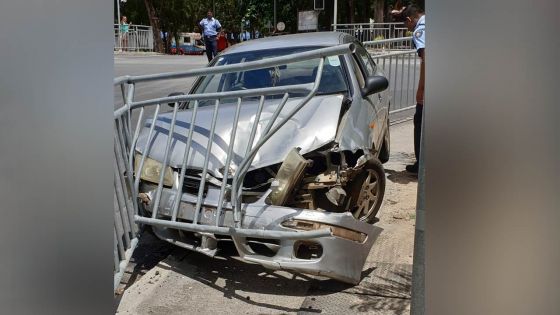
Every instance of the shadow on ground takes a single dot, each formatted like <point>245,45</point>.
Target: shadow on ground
<point>238,279</point>
<point>401,177</point>
<point>384,287</point>
<point>386,290</point>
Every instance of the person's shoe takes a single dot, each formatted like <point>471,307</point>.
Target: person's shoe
<point>413,168</point>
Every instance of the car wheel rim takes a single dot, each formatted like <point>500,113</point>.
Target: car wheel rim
<point>367,200</point>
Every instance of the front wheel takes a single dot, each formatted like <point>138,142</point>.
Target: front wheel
<point>368,189</point>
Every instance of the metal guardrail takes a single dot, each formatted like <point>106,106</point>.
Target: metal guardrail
<point>129,211</point>
<point>372,31</point>
<point>138,38</point>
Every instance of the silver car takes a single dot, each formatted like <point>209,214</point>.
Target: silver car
<point>321,169</point>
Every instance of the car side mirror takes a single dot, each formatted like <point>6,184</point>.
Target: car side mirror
<point>375,84</point>
<point>174,94</point>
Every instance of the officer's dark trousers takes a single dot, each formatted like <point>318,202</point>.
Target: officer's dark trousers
<point>211,47</point>
<point>417,130</point>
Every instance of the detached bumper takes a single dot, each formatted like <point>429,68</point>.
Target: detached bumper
<point>328,246</point>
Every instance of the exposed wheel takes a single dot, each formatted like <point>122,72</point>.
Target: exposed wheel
<point>368,189</point>
<point>385,147</point>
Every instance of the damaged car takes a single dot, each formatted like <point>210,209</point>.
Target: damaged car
<point>322,169</point>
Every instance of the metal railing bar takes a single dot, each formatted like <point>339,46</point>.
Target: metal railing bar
<point>276,113</point>
<point>235,231</point>
<point>408,79</point>
<point>395,79</point>
<point>245,66</point>
<point>130,98</point>
<point>145,151</point>
<point>206,159</point>
<point>389,40</point>
<point>254,127</point>
<point>300,88</point>
<point>228,160</point>
<point>120,245</point>
<point>119,220</point>
<point>165,158</point>
<point>116,254</point>
<point>184,165</point>
<point>133,145</point>
<point>124,262</point>
<point>401,109</point>
<point>121,167</point>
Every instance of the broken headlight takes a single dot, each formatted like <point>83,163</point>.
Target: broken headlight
<point>151,171</point>
<point>290,173</point>
<point>335,230</point>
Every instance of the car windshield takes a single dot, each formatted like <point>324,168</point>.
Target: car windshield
<point>332,80</point>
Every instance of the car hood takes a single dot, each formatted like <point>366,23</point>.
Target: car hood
<point>312,127</point>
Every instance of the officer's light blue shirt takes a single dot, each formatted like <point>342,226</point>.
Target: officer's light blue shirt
<point>210,27</point>
<point>419,34</point>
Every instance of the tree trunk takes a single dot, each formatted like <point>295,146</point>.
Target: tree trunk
<point>351,11</point>
<point>154,23</point>
<point>378,11</point>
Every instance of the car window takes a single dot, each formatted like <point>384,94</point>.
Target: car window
<point>333,79</point>
<point>367,62</point>
<point>358,72</point>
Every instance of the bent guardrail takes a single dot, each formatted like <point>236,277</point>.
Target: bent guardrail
<point>129,120</point>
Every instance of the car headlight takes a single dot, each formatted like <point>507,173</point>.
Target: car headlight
<point>151,171</point>
<point>290,173</point>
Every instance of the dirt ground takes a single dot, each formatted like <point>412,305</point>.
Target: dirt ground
<point>164,279</point>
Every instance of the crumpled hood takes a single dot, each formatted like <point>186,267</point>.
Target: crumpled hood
<point>313,126</point>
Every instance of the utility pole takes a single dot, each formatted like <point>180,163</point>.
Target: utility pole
<point>418,306</point>
<point>334,14</point>
<point>119,23</point>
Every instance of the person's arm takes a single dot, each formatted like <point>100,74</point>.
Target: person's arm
<point>218,26</point>
<point>201,27</point>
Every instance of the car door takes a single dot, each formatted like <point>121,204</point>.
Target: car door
<point>378,119</point>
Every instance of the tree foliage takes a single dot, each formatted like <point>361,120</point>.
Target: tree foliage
<point>174,16</point>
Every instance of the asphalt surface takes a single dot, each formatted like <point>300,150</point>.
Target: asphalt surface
<point>138,65</point>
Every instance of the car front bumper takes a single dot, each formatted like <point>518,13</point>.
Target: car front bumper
<point>339,256</point>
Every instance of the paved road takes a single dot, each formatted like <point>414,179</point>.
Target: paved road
<point>137,65</point>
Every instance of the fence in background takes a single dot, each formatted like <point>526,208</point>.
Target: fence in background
<point>401,65</point>
<point>372,31</point>
<point>138,38</point>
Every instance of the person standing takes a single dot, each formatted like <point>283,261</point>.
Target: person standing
<point>209,28</point>
<point>222,41</point>
<point>124,29</point>
<point>415,21</point>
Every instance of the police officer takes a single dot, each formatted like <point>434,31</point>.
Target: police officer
<point>415,21</point>
<point>209,28</point>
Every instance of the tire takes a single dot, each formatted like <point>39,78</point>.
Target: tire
<point>385,151</point>
<point>368,189</point>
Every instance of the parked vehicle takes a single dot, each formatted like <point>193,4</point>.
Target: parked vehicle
<point>189,44</point>
<point>321,169</point>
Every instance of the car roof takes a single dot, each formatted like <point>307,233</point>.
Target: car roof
<point>293,40</point>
